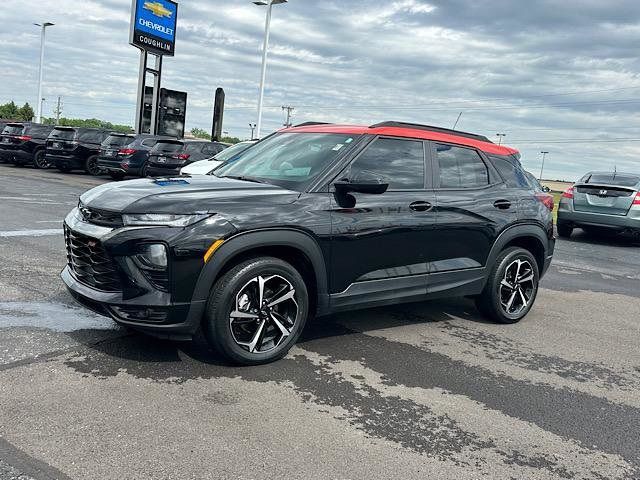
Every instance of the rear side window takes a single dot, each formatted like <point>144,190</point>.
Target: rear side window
<point>513,175</point>
<point>460,167</point>
<point>621,180</point>
<point>39,131</point>
<point>149,142</point>
<point>398,162</point>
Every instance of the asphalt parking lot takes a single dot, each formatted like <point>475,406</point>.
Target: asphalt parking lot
<point>425,390</point>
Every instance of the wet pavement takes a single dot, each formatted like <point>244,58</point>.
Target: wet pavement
<point>427,390</point>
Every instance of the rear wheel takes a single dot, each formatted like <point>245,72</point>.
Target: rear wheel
<point>143,170</point>
<point>512,287</point>
<point>39,160</point>
<point>564,230</point>
<point>91,166</point>
<point>116,175</point>
<point>256,311</point>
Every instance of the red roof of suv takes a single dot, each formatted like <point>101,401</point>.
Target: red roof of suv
<point>408,132</point>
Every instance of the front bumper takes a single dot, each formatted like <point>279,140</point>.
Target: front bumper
<point>152,310</point>
<point>629,222</point>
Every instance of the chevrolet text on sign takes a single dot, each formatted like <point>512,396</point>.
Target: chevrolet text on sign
<point>153,25</point>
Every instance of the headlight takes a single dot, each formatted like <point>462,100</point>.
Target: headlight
<point>162,219</point>
<point>152,256</point>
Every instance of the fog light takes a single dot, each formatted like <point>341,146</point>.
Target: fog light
<point>152,256</point>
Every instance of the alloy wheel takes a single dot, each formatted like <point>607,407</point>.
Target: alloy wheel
<point>40,160</point>
<point>264,314</point>
<point>517,288</point>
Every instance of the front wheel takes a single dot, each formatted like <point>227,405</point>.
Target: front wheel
<point>512,287</point>
<point>256,311</point>
<point>40,160</point>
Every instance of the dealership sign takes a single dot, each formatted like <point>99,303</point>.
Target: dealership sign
<point>153,25</point>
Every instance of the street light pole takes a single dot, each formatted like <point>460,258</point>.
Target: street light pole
<point>265,48</point>
<point>252,126</point>
<point>544,154</point>
<point>43,27</point>
<point>500,137</point>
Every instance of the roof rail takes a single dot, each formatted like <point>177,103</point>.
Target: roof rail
<point>430,128</point>
<point>308,124</point>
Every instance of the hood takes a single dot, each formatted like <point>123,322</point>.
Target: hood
<point>183,195</point>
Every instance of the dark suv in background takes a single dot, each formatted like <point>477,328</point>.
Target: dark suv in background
<point>309,221</point>
<point>25,143</point>
<point>72,148</point>
<point>126,154</point>
<point>169,156</point>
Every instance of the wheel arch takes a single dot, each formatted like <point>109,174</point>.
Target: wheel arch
<point>532,238</point>
<point>294,246</point>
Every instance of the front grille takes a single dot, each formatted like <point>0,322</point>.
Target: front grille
<point>103,218</point>
<point>90,263</point>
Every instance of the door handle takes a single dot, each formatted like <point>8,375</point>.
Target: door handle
<point>502,204</point>
<point>420,206</point>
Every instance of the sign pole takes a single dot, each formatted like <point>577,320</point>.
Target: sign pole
<point>142,75</point>
<point>157,73</point>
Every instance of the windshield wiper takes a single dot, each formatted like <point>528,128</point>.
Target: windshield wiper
<point>246,179</point>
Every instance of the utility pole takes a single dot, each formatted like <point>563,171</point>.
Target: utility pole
<point>500,137</point>
<point>252,126</point>
<point>544,154</point>
<point>289,109</point>
<point>58,110</point>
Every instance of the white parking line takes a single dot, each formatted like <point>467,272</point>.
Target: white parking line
<point>31,233</point>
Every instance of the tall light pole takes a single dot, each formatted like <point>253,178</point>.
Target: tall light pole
<point>500,137</point>
<point>43,27</point>
<point>544,154</point>
<point>252,126</point>
<point>265,48</point>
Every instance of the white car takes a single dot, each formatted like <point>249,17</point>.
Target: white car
<point>203,167</point>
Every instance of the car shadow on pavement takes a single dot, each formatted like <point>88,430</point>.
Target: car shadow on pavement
<point>610,239</point>
<point>140,352</point>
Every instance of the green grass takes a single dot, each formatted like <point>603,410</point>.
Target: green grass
<point>556,201</point>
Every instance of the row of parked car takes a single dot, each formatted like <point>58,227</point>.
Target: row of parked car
<point>118,155</point>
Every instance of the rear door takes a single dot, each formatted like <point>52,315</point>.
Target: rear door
<point>162,154</point>
<point>473,206</point>
<point>61,140</point>
<point>610,193</point>
<point>12,136</point>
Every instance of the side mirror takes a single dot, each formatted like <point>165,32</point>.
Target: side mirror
<point>364,182</point>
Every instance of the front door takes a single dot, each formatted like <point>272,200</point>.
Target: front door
<point>380,241</point>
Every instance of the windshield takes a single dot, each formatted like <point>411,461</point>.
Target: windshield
<point>63,133</point>
<point>288,159</point>
<point>118,140</point>
<point>232,151</point>
<point>614,179</point>
<point>167,146</point>
<point>13,130</point>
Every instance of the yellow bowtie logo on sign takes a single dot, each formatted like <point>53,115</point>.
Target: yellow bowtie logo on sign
<point>157,9</point>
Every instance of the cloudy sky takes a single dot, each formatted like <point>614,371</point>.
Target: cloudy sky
<point>555,75</point>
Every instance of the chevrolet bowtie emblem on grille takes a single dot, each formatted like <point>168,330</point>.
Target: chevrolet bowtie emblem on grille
<point>158,9</point>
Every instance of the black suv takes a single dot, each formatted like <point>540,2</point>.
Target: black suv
<point>126,154</point>
<point>309,221</point>
<point>24,143</point>
<point>169,156</point>
<point>73,148</point>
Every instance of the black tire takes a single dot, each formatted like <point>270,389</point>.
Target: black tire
<point>491,301</point>
<point>143,170</point>
<point>240,285</point>
<point>91,166</point>
<point>564,230</point>
<point>117,176</point>
<point>40,161</point>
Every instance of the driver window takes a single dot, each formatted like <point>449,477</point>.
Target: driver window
<point>398,162</point>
